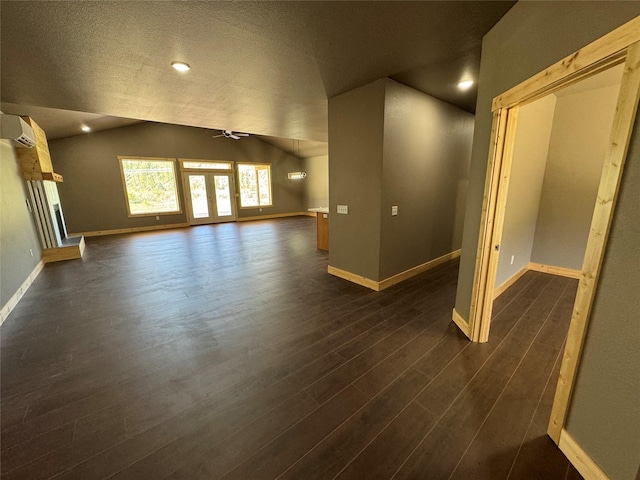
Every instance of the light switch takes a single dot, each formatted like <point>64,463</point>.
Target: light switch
<point>343,209</point>
<point>394,210</point>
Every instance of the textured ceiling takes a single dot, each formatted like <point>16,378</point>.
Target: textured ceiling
<point>59,123</point>
<point>299,148</point>
<point>260,67</point>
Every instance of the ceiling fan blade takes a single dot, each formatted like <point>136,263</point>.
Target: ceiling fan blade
<point>235,137</point>
<point>242,134</point>
<point>217,136</point>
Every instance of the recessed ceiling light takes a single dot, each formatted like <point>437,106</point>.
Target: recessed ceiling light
<point>181,66</point>
<point>85,128</point>
<point>465,84</point>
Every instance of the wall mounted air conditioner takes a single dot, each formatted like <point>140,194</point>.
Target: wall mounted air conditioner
<point>12,127</point>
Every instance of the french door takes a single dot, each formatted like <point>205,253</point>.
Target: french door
<point>210,197</point>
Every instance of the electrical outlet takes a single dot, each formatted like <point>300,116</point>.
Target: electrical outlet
<point>394,210</point>
<point>513,257</point>
<point>157,217</point>
<point>343,209</point>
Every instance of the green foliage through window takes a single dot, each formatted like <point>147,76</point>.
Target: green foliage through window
<point>150,186</point>
<point>255,185</point>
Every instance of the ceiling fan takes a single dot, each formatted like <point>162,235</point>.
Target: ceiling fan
<point>230,134</point>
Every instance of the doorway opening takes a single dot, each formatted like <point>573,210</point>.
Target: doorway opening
<point>558,155</point>
<point>620,47</point>
<point>209,190</point>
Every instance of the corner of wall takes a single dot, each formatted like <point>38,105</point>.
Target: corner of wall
<point>20,249</point>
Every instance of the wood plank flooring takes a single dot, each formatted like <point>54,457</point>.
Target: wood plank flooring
<point>227,352</point>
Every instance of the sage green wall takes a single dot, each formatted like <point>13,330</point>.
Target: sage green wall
<point>316,185</point>
<point>92,192</point>
<point>356,121</point>
<point>525,185</point>
<point>426,154</point>
<point>17,230</point>
<point>529,38</point>
<point>579,139</point>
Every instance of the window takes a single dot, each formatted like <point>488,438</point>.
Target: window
<point>150,185</point>
<point>205,165</point>
<point>255,184</point>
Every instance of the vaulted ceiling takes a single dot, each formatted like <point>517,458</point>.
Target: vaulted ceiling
<point>263,67</point>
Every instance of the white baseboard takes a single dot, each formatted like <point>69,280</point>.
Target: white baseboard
<point>6,309</point>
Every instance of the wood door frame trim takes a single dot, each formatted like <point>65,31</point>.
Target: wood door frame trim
<point>616,155</point>
<point>622,45</point>
<point>579,458</point>
<point>601,54</point>
<point>498,129</point>
<point>502,181</point>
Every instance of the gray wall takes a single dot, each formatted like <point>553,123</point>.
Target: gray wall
<point>316,185</point>
<point>356,121</point>
<point>529,38</point>
<point>17,230</point>
<point>92,192</point>
<point>426,154</point>
<point>605,409</point>
<point>392,145</point>
<point>579,139</point>
<point>525,185</point>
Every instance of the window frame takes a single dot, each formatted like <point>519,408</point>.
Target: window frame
<point>252,164</point>
<point>122,158</point>
<point>183,168</point>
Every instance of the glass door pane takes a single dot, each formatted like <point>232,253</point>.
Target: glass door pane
<point>264,187</point>
<point>199,199</point>
<point>223,195</point>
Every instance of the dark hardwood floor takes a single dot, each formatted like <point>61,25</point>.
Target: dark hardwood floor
<point>228,352</point>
